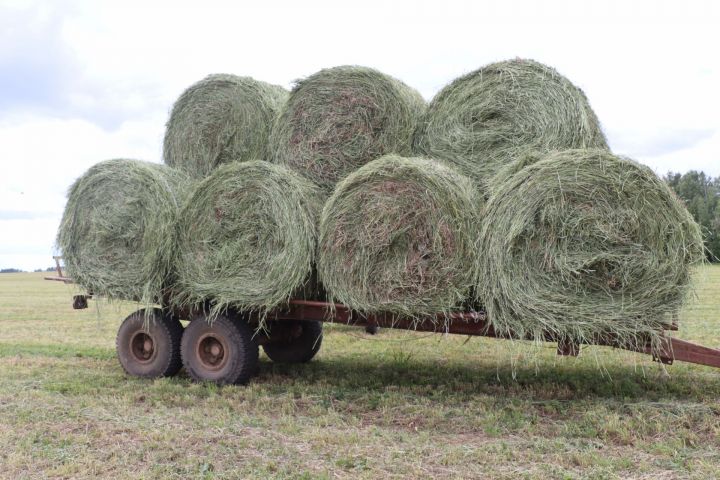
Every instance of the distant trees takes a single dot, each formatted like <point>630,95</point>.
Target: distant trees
<point>701,194</point>
<point>17,270</point>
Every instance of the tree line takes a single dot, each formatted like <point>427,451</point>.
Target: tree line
<point>701,194</point>
<point>17,270</point>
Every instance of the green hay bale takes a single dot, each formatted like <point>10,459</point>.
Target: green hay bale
<point>584,244</point>
<point>219,119</point>
<point>486,119</point>
<point>338,119</point>
<point>508,170</point>
<point>118,233</point>
<point>247,238</point>
<point>399,235</point>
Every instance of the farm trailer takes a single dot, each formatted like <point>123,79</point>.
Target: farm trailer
<point>153,342</point>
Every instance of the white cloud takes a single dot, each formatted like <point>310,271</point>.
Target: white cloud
<point>43,156</point>
<point>40,159</point>
<point>705,156</point>
<point>28,244</point>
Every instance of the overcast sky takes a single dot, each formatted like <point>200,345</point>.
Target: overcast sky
<point>84,81</point>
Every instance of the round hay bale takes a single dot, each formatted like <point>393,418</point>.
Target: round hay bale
<point>220,119</point>
<point>485,119</point>
<point>338,119</point>
<point>399,235</point>
<point>118,233</point>
<point>247,237</point>
<point>585,245</point>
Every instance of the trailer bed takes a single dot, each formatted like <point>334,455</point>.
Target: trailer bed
<point>296,332</point>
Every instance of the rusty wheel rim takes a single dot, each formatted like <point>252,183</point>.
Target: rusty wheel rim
<point>142,347</point>
<point>212,352</point>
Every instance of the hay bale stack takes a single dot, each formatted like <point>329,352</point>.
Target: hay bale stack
<point>338,119</point>
<point>247,237</point>
<point>219,119</point>
<point>118,231</point>
<point>583,244</point>
<point>399,235</point>
<point>485,119</point>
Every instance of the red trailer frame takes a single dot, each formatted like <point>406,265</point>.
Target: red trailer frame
<point>477,324</point>
<point>467,323</point>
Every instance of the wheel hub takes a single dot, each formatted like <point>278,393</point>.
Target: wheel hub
<point>142,347</point>
<point>211,352</point>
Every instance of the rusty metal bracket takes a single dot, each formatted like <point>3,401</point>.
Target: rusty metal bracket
<point>80,301</point>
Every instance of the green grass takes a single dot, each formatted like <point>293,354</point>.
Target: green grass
<point>397,405</point>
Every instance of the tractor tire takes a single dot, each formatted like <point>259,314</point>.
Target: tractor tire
<point>148,344</point>
<point>294,342</point>
<point>222,352</point>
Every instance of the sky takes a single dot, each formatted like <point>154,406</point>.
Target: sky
<point>85,81</point>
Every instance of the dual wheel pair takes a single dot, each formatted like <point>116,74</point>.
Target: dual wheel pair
<point>151,343</point>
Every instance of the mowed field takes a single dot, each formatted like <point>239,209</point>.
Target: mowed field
<point>396,405</point>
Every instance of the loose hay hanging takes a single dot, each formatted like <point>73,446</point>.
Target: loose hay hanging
<point>399,235</point>
<point>118,232</point>
<point>340,118</point>
<point>485,119</point>
<point>585,245</point>
<point>247,238</point>
<point>219,119</point>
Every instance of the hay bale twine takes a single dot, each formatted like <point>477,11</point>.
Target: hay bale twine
<point>219,119</point>
<point>485,119</point>
<point>247,237</point>
<point>583,244</point>
<point>399,235</point>
<point>338,119</point>
<point>118,231</point>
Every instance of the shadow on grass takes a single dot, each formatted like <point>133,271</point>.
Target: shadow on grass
<point>378,374</point>
<point>569,380</point>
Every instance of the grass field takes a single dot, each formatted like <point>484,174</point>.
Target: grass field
<point>397,405</point>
